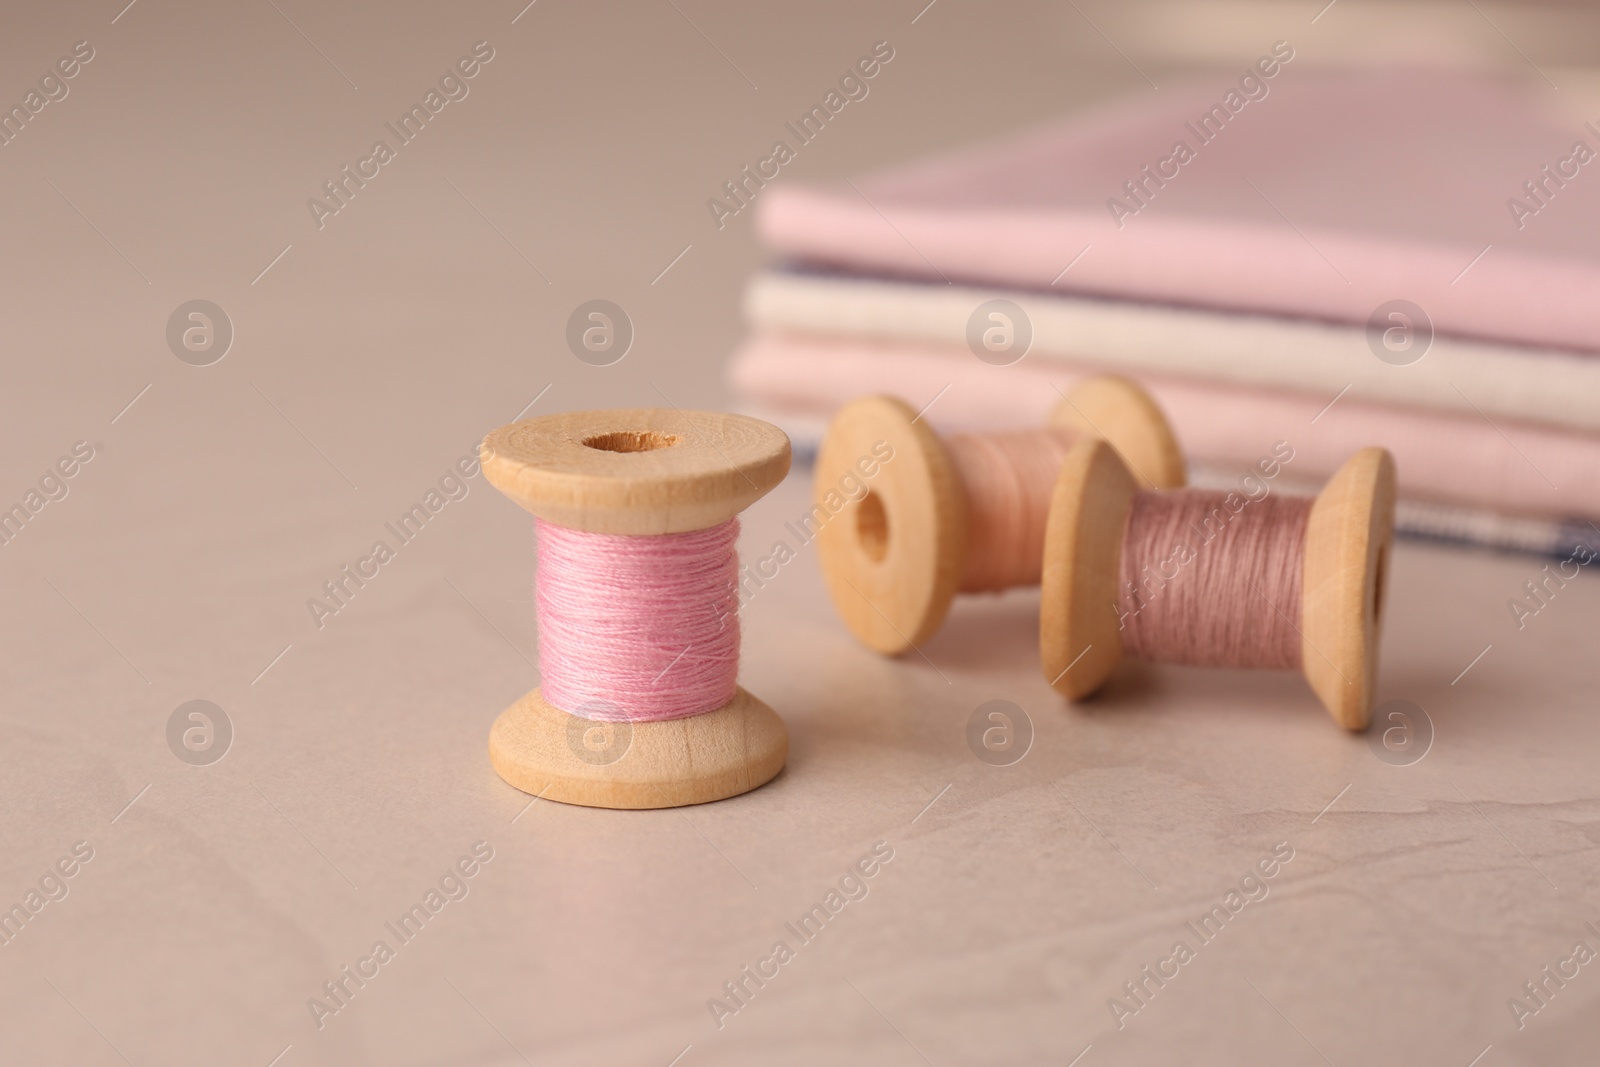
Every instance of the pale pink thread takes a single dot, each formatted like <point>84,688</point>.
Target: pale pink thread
<point>638,629</point>
<point>1008,478</point>
<point>1212,585</point>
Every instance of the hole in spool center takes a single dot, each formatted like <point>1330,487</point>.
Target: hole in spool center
<point>631,441</point>
<point>872,527</point>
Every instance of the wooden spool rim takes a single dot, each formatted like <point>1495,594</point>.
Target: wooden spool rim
<point>1348,541</point>
<point>636,471</point>
<point>539,748</point>
<point>1120,411</point>
<point>1348,538</point>
<point>892,557</point>
<point>1080,640</point>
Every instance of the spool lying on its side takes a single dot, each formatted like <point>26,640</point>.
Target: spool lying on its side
<point>1344,568</point>
<point>894,556</point>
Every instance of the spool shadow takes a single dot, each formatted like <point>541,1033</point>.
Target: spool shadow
<point>989,632</point>
<point>1139,690</point>
<point>845,697</point>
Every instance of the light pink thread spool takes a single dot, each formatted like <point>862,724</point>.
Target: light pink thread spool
<point>906,519</point>
<point>638,607</point>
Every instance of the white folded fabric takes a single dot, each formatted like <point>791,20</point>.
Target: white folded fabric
<point>1490,380</point>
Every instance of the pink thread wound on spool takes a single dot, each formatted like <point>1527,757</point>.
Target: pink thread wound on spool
<point>1008,479</point>
<point>1205,585</point>
<point>638,628</point>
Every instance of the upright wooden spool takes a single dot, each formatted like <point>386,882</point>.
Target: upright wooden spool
<point>637,472</point>
<point>1346,562</point>
<point>893,559</point>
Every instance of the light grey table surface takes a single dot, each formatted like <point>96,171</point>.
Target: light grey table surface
<point>1018,902</point>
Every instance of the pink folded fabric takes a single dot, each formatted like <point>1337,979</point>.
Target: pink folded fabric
<point>1527,469</point>
<point>1326,197</point>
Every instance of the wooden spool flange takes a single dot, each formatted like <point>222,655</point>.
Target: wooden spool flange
<point>893,557</point>
<point>1348,537</point>
<point>637,472</point>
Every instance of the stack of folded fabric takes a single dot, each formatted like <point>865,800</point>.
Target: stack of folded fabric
<point>1406,259</point>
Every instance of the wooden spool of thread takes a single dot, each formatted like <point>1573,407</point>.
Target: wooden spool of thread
<point>962,514</point>
<point>1217,579</point>
<point>619,496</point>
